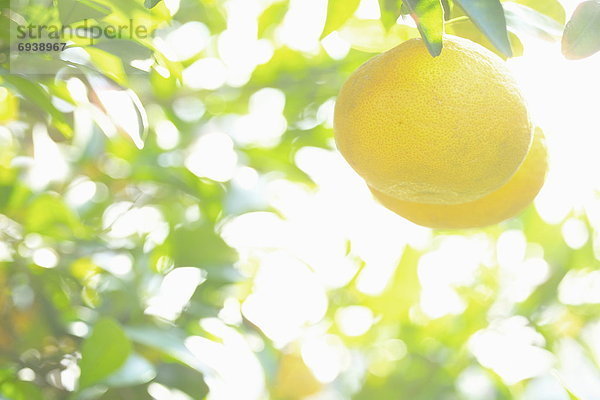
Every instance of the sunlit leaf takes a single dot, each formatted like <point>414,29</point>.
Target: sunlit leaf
<point>126,51</point>
<point>136,371</point>
<point>515,45</point>
<point>550,8</point>
<point>200,246</point>
<point>464,27</point>
<point>49,215</point>
<point>9,106</point>
<point>151,3</point>
<point>581,37</point>
<point>371,36</point>
<point>122,106</point>
<point>522,19</point>
<point>488,15</point>
<point>103,352</point>
<point>35,94</point>
<point>273,15</point>
<point>390,11</point>
<point>183,378</point>
<point>167,341</point>
<point>163,83</point>
<point>108,64</point>
<point>71,11</point>
<point>446,7</point>
<point>338,12</point>
<point>571,395</point>
<point>429,17</point>
<point>19,390</point>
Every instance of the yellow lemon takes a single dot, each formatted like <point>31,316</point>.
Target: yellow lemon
<point>444,130</point>
<point>502,204</point>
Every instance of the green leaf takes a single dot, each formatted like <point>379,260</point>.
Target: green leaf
<point>103,352</point>
<point>525,20</point>
<point>571,395</point>
<point>183,378</point>
<point>122,106</point>
<point>429,16</point>
<point>163,85</point>
<point>338,12</point>
<point>515,44</point>
<point>71,11</point>
<point>581,37</point>
<point>273,15</point>
<point>167,341</point>
<point>370,35</point>
<point>34,93</point>
<point>390,11</point>
<point>464,27</point>
<point>488,15</point>
<point>446,7</point>
<point>126,51</point>
<point>550,8</point>
<point>151,3</point>
<point>136,371</point>
<point>200,246</point>
<point>108,64</point>
<point>18,390</point>
<point>48,215</point>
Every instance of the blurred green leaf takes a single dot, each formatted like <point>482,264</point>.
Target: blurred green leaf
<point>169,341</point>
<point>272,16</point>
<point>113,99</point>
<point>34,93</point>
<point>48,215</point>
<point>488,15</point>
<point>525,20</point>
<point>200,246</point>
<point>151,3</point>
<point>164,83</point>
<point>390,11</point>
<point>19,390</point>
<point>581,37</point>
<point>371,35</point>
<point>550,8</point>
<point>108,64</point>
<point>71,11</point>
<point>338,12</point>
<point>571,395</point>
<point>103,352</point>
<point>429,17</point>
<point>447,8</point>
<point>126,51</point>
<point>136,371</point>
<point>465,28</point>
<point>515,44</point>
<point>183,378</point>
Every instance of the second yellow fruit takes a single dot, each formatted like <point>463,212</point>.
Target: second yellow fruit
<point>499,205</point>
<point>443,130</point>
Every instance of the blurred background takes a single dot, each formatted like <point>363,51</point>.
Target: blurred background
<point>175,222</point>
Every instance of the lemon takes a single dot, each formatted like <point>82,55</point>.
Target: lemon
<point>502,204</point>
<point>443,130</point>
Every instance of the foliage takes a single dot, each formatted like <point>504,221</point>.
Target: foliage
<point>120,180</point>
<point>581,33</point>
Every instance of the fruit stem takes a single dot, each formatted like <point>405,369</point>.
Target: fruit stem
<point>457,19</point>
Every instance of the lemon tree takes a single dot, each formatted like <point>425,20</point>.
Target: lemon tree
<point>175,215</point>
